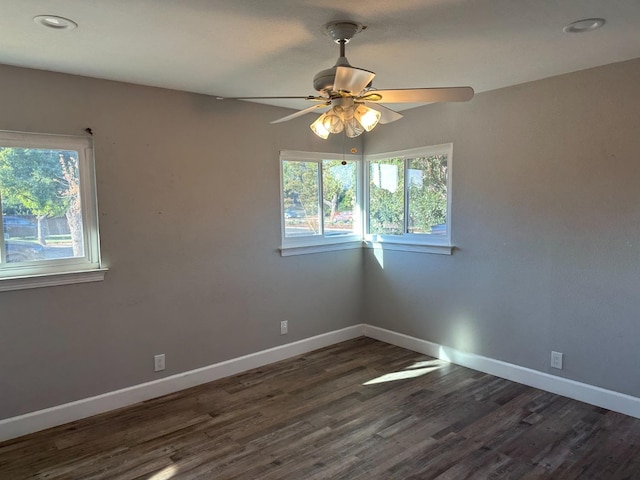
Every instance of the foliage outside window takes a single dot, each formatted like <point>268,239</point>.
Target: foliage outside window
<point>319,199</point>
<point>409,196</point>
<point>407,207</point>
<point>49,218</point>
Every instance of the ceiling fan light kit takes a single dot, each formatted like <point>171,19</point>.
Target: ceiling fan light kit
<point>351,98</point>
<point>345,115</point>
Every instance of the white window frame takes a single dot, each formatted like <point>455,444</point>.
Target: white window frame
<point>321,243</point>
<point>410,242</point>
<point>44,273</point>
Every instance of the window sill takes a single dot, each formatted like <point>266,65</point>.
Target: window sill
<point>328,247</point>
<point>397,246</point>
<point>51,279</point>
<point>410,247</point>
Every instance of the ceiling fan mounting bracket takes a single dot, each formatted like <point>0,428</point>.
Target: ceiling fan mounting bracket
<point>342,32</point>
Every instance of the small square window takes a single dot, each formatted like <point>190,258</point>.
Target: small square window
<point>49,216</point>
<point>409,199</point>
<point>320,201</point>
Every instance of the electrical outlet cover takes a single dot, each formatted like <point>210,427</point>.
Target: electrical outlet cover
<point>158,362</point>
<point>556,360</point>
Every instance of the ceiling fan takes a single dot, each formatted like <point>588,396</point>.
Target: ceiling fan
<point>354,105</point>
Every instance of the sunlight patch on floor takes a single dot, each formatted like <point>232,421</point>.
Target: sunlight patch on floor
<point>165,473</point>
<point>427,363</point>
<point>402,375</point>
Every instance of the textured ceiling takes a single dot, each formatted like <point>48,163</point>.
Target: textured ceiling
<point>274,47</point>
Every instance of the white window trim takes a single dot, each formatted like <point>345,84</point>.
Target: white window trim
<point>320,243</point>
<point>71,270</point>
<point>409,247</point>
<point>52,279</point>
<point>419,243</point>
<point>304,250</point>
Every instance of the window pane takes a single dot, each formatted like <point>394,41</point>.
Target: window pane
<point>386,197</point>
<point>301,197</point>
<point>339,196</point>
<point>427,209</point>
<point>41,208</point>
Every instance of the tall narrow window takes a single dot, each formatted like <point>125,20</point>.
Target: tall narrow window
<point>339,197</point>
<point>427,194</point>
<point>301,198</point>
<point>47,195</point>
<point>386,196</point>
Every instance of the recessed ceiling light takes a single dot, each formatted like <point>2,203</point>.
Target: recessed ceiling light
<point>586,25</point>
<point>55,22</point>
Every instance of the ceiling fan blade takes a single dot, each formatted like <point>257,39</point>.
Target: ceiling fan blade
<point>352,80</point>
<point>309,97</point>
<point>420,95</point>
<point>300,113</point>
<point>386,114</point>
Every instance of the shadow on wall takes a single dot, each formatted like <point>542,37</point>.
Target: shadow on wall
<point>391,311</point>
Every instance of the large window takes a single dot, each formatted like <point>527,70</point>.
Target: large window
<point>320,201</point>
<point>408,199</point>
<point>49,217</point>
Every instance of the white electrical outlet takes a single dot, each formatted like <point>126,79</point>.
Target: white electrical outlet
<point>158,362</point>
<point>556,360</point>
<point>284,327</point>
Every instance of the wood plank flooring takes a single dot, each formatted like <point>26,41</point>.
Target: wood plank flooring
<point>361,409</point>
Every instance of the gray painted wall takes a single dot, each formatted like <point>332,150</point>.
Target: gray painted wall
<point>546,221</point>
<point>188,193</point>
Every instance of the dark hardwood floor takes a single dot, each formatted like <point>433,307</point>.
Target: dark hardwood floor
<point>361,409</point>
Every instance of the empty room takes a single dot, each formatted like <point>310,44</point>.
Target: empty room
<point>320,240</point>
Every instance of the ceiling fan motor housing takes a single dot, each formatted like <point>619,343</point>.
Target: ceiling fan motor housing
<point>324,80</point>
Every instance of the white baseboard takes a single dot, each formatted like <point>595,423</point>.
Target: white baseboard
<point>69,412</point>
<point>609,399</point>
